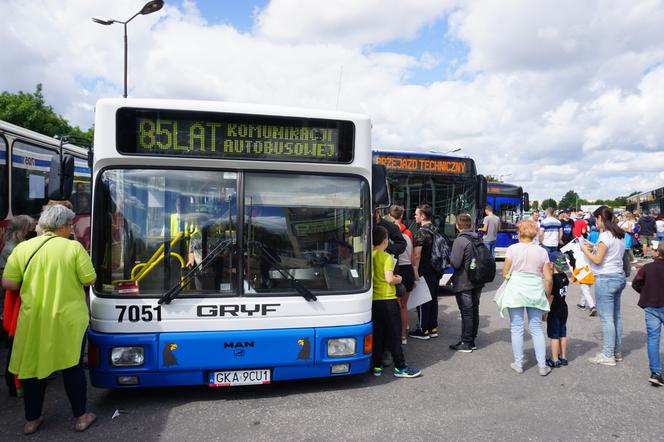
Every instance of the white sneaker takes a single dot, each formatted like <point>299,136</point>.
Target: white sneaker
<point>544,371</point>
<point>516,367</point>
<point>601,359</point>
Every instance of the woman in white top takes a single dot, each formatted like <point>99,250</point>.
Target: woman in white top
<point>606,263</point>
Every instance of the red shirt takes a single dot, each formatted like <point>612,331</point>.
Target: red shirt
<point>580,227</point>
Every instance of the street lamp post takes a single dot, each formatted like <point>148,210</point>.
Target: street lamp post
<point>148,8</point>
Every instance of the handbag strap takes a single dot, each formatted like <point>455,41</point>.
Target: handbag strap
<point>36,250</point>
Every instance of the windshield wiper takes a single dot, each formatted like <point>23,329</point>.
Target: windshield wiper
<point>297,285</point>
<point>174,291</point>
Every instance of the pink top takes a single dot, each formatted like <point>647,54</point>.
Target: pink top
<point>527,257</point>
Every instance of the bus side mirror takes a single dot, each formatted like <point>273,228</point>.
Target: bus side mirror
<point>61,177</point>
<point>482,187</point>
<point>380,191</point>
<point>526,202</point>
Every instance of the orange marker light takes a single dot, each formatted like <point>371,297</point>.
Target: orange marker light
<point>368,344</point>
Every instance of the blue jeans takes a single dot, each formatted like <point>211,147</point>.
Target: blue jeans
<point>608,289</point>
<point>536,329</point>
<point>491,245</point>
<point>660,236</point>
<point>654,323</point>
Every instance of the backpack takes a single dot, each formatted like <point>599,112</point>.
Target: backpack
<point>440,251</point>
<point>482,267</point>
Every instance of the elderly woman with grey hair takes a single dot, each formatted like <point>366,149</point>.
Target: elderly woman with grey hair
<point>50,271</point>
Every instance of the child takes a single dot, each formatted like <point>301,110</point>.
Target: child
<point>385,310</point>
<point>582,274</point>
<point>556,323</point>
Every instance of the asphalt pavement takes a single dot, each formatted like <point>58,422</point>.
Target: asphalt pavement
<point>459,397</point>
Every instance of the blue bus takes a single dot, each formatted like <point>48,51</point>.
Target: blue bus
<point>449,184</point>
<point>232,244</point>
<point>509,202</point>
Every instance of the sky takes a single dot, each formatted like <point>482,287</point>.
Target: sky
<point>552,95</point>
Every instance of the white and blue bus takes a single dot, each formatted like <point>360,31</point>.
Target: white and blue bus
<point>232,244</point>
<point>508,202</point>
<point>449,184</point>
<point>26,158</point>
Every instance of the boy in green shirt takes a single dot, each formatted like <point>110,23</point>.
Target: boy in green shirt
<point>385,310</point>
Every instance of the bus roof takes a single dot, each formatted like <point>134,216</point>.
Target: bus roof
<point>228,106</point>
<point>647,195</point>
<point>415,152</point>
<point>28,134</point>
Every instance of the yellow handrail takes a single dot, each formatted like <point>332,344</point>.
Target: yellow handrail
<point>148,269</point>
<point>152,266</point>
<point>140,270</point>
<point>158,253</point>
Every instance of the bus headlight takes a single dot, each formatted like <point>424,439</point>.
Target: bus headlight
<point>341,347</point>
<point>127,356</point>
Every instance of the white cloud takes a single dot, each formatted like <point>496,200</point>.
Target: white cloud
<point>560,94</point>
<point>354,22</point>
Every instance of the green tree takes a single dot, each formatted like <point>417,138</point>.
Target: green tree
<point>492,179</point>
<point>549,202</point>
<point>29,110</point>
<point>569,200</point>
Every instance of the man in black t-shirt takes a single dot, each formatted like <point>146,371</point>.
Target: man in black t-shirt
<point>568,229</point>
<point>648,229</point>
<point>427,313</point>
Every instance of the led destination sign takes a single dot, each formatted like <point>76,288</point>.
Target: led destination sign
<point>234,136</point>
<point>506,190</point>
<point>417,163</point>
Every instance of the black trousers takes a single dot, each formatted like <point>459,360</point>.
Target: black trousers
<point>469,306</point>
<point>386,317</point>
<point>428,312</point>
<point>75,385</point>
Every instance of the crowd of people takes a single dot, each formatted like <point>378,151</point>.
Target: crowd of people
<point>553,250</point>
<point>44,271</point>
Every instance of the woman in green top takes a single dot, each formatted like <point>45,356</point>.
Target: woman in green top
<point>50,272</point>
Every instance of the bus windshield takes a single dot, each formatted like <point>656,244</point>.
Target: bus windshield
<point>448,198</point>
<point>313,227</point>
<point>508,209</point>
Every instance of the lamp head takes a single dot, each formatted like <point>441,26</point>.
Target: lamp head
<point>103,21</point>
<point>152,6</point>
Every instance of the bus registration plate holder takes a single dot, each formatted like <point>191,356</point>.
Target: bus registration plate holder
<point>237,378</point>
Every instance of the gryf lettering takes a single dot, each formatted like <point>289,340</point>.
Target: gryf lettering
<point>235,310</point>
